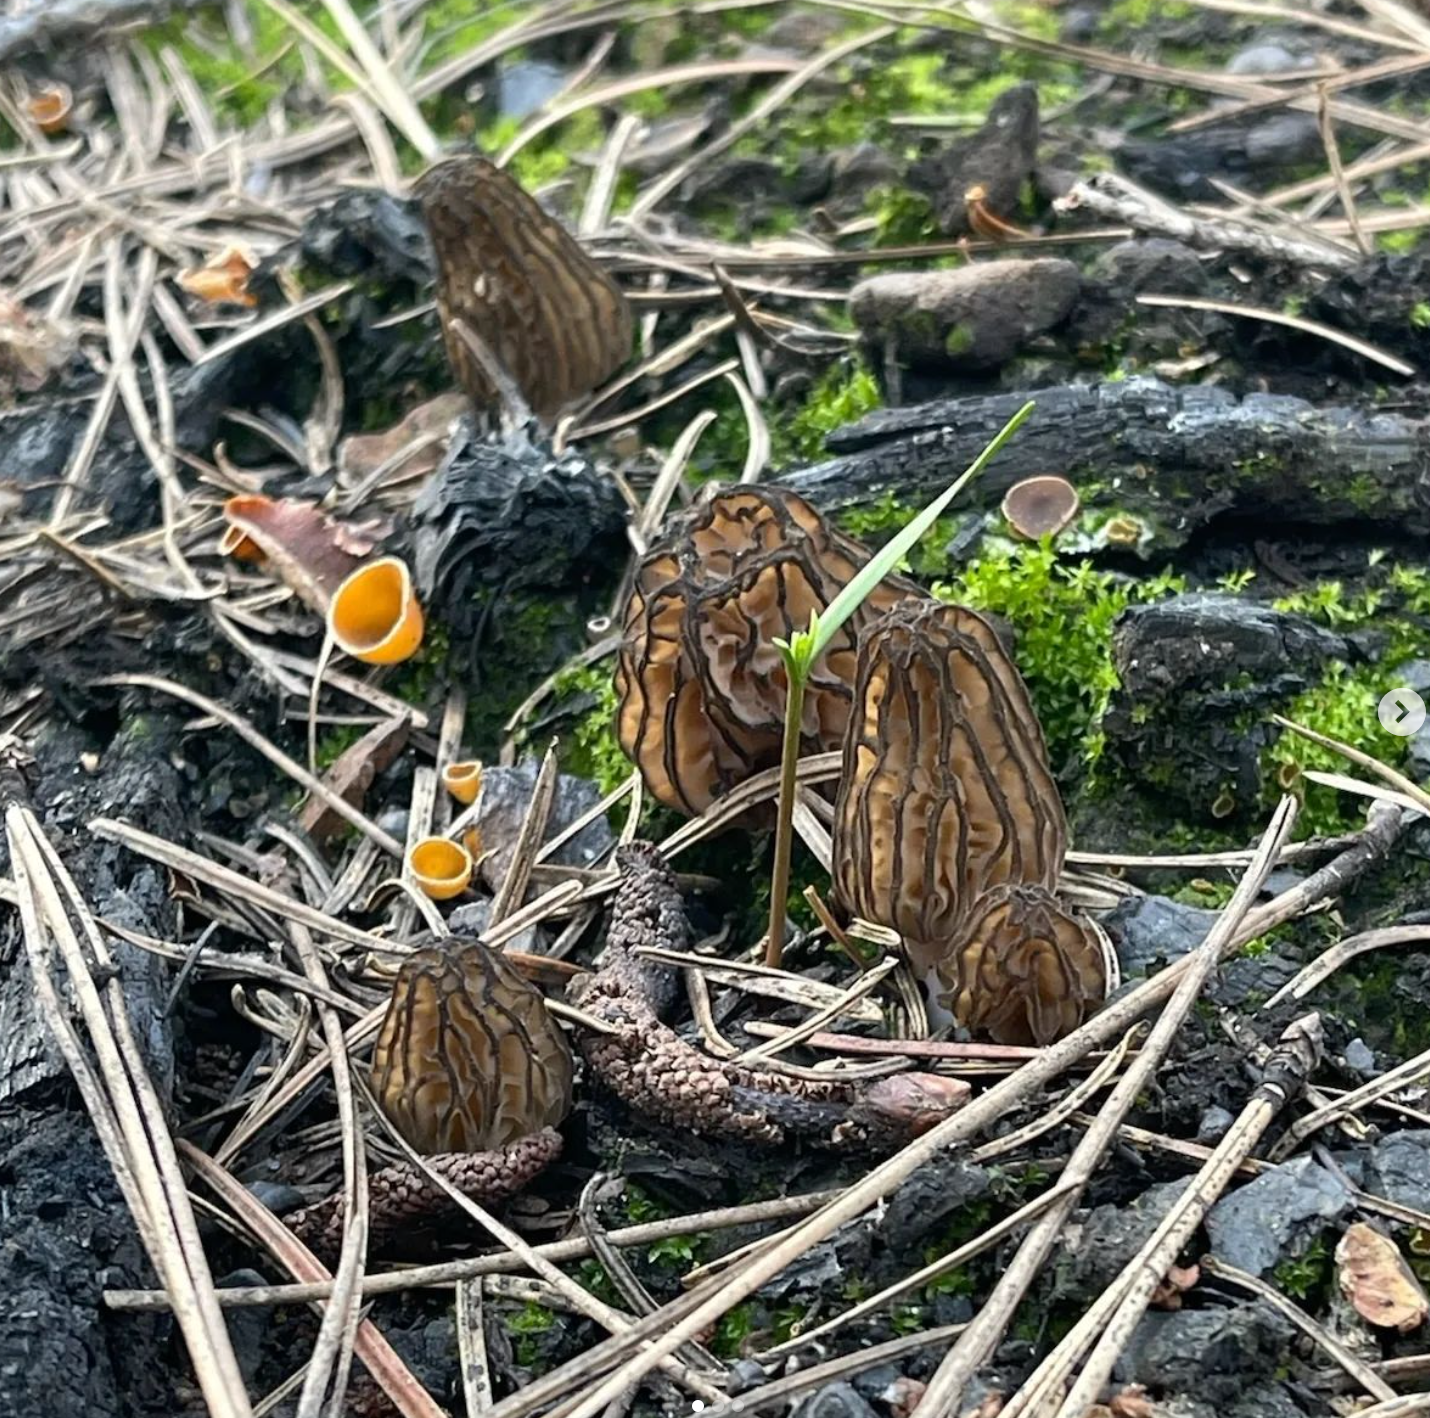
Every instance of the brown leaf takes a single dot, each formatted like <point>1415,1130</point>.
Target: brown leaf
<point>1376,1280</point>
<point>312,552</point>
<point>352,773</point>
<point>222,279</point>
<point>1131,1402</point>
<point>362,454</point>
<point>1177,1281</point>
<point>32,346</point>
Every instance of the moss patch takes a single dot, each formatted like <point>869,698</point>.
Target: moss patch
<point>1063,614</point>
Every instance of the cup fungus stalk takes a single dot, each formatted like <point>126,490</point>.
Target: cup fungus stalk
<point>803,649</point>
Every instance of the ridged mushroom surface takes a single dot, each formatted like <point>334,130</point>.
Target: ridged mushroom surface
<point>945,790</point>
<point>554,321</point>
<point>700,682</point>
<point>1026,971</point>
<point>469,1058</point>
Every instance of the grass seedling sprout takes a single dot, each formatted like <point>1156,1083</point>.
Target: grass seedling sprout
<point>806,646</point>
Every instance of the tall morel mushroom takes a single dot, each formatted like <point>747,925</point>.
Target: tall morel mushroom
<point>474,1072</point>
<point>947,805</point>
<point>700,682</point>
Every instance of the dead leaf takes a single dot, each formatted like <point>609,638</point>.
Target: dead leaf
<point>1376,1280</point>
<point>32,346</point>
<point>1131,1402</point>
<point>222,279</point>
<point>904,1396</point>
<point>423,431</point>
<point>312,552</point>
<point>352,773</point>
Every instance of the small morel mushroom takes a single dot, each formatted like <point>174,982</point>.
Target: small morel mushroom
<point>1027,971</point>
<point>475,1073</point>
<point>700,682</point>
<point>522,285</point>
<point>948,827</point>
<point>946,789</point>
<point>469,1059</point>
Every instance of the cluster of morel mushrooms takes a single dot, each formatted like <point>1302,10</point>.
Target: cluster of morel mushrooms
<point>947,826</point>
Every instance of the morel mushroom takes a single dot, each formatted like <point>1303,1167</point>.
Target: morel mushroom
<point>700,682</point>
<point>469,1059</point>
<point>475,1073</point>
<point>946,796</point>
<point>1026,971</point>
<point>946,789</point>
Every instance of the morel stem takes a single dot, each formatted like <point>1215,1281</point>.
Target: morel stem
<point>784,822</point>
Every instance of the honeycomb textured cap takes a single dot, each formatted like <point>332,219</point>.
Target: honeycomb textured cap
<point>1027,971</point>
<point>945,789</point>
<point>469,1058</point>
<point>700,681</point>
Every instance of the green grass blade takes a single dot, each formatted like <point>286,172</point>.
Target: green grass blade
<point>810,644</point>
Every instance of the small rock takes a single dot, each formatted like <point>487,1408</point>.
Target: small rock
<point>1358,1058</point>
<point>970,319</point>
<point>525,84</point>
<point>1213,1354</point>
<point>506,795</point>
<point>248,1325</point>
<point>1213,1125</point>
<point>1209,638</point>
<point>473,917</point>
<point>1276,1215</point>
<point>1109,1237</point>
<point>997,160</point>
<point>839,1400</point>
<point>279,1198</point>
<point>1398,1168</point>
<point>1155,264</point>
<point>1153,931</point>
<point>1263,56</point>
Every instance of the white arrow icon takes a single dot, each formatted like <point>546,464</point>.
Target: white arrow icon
<point>1402,712</point>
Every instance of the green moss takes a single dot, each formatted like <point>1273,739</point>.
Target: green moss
<point>528,1325</point>
<point>1124,15</point>
<point>591,749</point>
<point>1398,243</point>
<point>734,1328</point>
<point>846,393</point>
<point>1063,614</point>
<point>335,742</point>
<point>1303,1275</point>
<point>416,679</point>
<point>1342,706</point>
<point>904,217</point>
<point>958,341</point>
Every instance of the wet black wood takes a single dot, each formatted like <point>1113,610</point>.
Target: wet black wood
<point>1181,457</point>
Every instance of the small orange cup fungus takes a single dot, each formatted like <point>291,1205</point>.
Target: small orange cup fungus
<point>50,106</point>
<point>375,616</point>
<point>463,780</point>
<point>1040,506</point>
<point>235,542</point>
<point>441,867</point>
